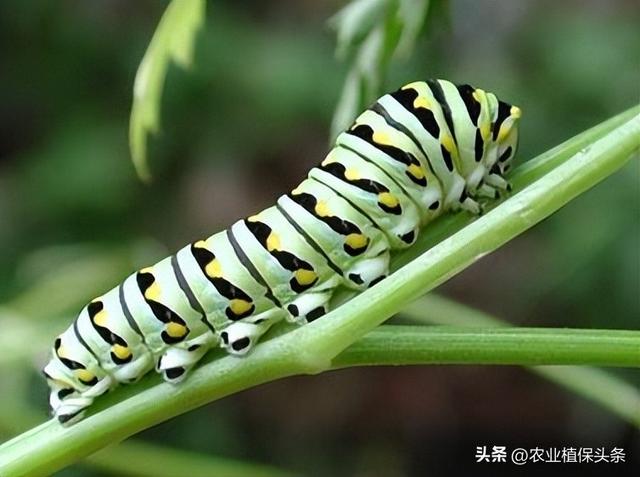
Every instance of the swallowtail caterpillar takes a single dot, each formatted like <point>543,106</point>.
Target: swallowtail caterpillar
<point>423,150</point>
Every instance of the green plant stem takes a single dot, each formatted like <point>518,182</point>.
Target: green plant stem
<point>311,348</point>
<point>159,460</point>
<point>596,385</point>
<point>401,345</point>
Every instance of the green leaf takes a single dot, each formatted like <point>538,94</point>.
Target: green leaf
<point>363,82</point>
<point>370,33</point>
<point>412,15</point>
<point>174,39</point>
<point>348,104</point>
<point>355,21</point>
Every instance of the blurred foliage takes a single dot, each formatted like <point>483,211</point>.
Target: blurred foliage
<point>173,39</point>
<point>243,125</point>
<point>369,34</point>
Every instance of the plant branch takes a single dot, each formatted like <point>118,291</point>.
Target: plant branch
<point>596,385</point>
<point>401,345</point>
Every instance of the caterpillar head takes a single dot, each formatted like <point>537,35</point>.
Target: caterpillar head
<point>74,377</point>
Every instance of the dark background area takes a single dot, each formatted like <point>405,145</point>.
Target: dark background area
<point>243,127</point>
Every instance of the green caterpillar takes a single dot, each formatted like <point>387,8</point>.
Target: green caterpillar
<point>428,148</point>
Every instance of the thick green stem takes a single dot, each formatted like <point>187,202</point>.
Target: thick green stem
<point>312,348</point>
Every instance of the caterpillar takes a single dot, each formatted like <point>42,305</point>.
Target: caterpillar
<point>425,149</point>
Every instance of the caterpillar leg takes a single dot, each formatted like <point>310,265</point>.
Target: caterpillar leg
<point>175,363</point>
<point>308,307</point>
<point>497,181</point>
<point>471,205</point>
<point>70,408</point>
<point>488,191</point>
<point>368,272</point>
<point>238,338</point>
<point>135,370</point>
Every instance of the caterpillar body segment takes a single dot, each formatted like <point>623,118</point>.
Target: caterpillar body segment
<point>423,150</point>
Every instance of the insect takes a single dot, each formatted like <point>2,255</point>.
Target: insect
<point>425,149</point>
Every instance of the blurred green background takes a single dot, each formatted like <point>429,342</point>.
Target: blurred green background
<point>245,125</point>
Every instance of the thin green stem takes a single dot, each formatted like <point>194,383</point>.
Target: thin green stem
<point>612,393</point>
<point>400,345</point>
<point>311,348</point>
<point>596,385</point>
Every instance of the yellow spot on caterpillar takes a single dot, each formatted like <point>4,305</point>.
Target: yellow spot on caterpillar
<point>200,244</point>
<point>62,352</point>
<point>485,130</point>
<point>84,375</point>
<point>254,218</point>
<point>239,307</point>
<point>273,242</point>
<point>305,277</point>
<point>100,318</point>
<point>146,270</point>
<point>380,137</point>
<point>504,132</point>
<point>388,199</point>
<point>176,330</point>
<point>321,209</point>
<point>153,292</point>
<point>448,143</point>
<point>121,352</point>
<point>516,112</point>
<point>296,191</point>
<point>356,241</point>
<point>352,174</point>
<point>479,95</point>
<point>416,171</point>
<point>213,269</point>
<point>421,102</point>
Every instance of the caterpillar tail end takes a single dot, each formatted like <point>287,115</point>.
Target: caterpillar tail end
<point>69,397</point>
